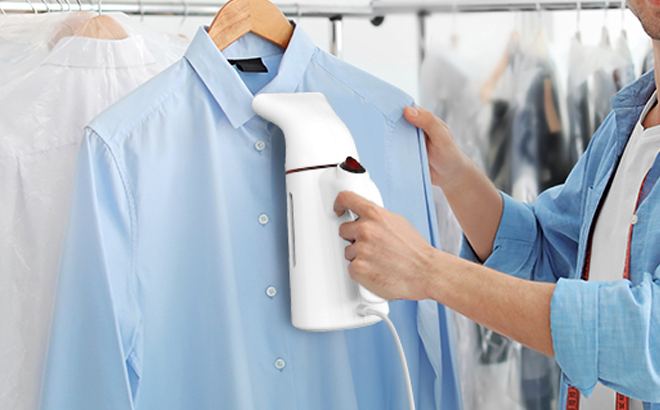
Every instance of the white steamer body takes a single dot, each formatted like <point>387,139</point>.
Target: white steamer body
<point>323,295</point>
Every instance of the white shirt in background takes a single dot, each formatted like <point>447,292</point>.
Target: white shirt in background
<point>41,126</point>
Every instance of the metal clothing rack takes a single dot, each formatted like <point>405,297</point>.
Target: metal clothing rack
<point>375,11</point>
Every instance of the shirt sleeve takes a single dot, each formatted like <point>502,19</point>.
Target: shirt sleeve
<point>538,241</point>
<point>618,342</point>
<point>93,360</point>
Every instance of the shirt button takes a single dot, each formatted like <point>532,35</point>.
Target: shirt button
<point>263,219</point>
<point>271,291</point>
<point>634,219</point>
<point>280,364</point>
<point>260,145</point>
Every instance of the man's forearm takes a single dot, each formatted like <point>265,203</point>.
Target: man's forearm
<point>477,205</point>
<point>513,307</point>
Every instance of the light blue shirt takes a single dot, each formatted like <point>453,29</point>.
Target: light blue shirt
<point>174,285</point>
<point>601,331</point>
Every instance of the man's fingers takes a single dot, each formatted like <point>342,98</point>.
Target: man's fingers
<point>351,201</point>
<point>348,231</point>
<point>350,252</point>
<point>424,120</point>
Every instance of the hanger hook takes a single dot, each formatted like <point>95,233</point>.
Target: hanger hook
<point>2,10</point>
<point>185,14</point>
<point>68,5</point>
<point>141,9</point>
<point>79,5</point>
<point>61,5</point>
<point>623,15</point>
<point>454,13</point>
<point>31,6</point>
<point>100,6</point>
<point>47,6</point>
<point>605,11</point>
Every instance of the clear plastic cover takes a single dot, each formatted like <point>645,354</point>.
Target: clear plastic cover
<point>595,75</point>
<point>52,83</point>
<point>448,90</point>
<point>496,372</point>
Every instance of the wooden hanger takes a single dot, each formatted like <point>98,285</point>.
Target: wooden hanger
<point>239,17</point>
<point>102,27</point>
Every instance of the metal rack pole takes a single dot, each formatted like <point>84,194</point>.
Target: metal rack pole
<point>336,36</point>
<point>169,8</point>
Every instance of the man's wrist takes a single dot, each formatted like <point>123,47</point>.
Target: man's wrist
<point>460,176</point>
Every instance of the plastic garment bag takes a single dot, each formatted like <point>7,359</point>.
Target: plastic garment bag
<point>577,99</point>
<point>26,40</point>
<point>615,71</point>
<point>647,64</point>
<point>447,90</point>
<point>596,73</point>
<point>526,155</point>
<point>526,152</point>
<point>43,110</point>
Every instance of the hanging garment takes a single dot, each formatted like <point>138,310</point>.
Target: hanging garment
<point>25,41</point>
<point>579,118</point>
<point>537,143</point>
<point>526,151</point>
<point>447,90</point>
<point>526,155</point>
<point>174,278</point>
<point>498,159</point>
<point>647,64</point>
<point>42,119</point>
<point>615,70</point>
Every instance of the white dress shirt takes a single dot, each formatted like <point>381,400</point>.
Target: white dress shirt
<point>41,127</point>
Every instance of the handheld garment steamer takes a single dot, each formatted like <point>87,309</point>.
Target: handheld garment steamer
<point>321,161</point>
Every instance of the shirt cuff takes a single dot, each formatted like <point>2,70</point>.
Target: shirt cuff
<point>514,241</point>
<point>574,325</point>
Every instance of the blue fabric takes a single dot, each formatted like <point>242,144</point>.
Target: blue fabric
<point>601,331</point>
<point>162,300</point>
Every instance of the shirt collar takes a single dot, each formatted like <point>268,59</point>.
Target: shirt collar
<point>98,53</point>
<point>636,94</point>
<point>628,105</point>
<point>225,84</point>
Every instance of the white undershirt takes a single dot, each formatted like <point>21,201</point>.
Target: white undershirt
<point>610,239</point>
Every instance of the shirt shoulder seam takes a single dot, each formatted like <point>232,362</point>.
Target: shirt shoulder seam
<point>122,132</point>
<point>389,118</point>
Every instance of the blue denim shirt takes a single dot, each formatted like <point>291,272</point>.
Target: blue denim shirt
<point>601,331</point>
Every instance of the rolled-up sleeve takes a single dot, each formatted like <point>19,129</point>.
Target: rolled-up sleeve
<point>617,344</point>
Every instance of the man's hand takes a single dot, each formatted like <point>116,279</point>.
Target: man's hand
<point>446,160</point>
<point>387,254</point>
<point>390,258</point>
<point>475,201</point>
